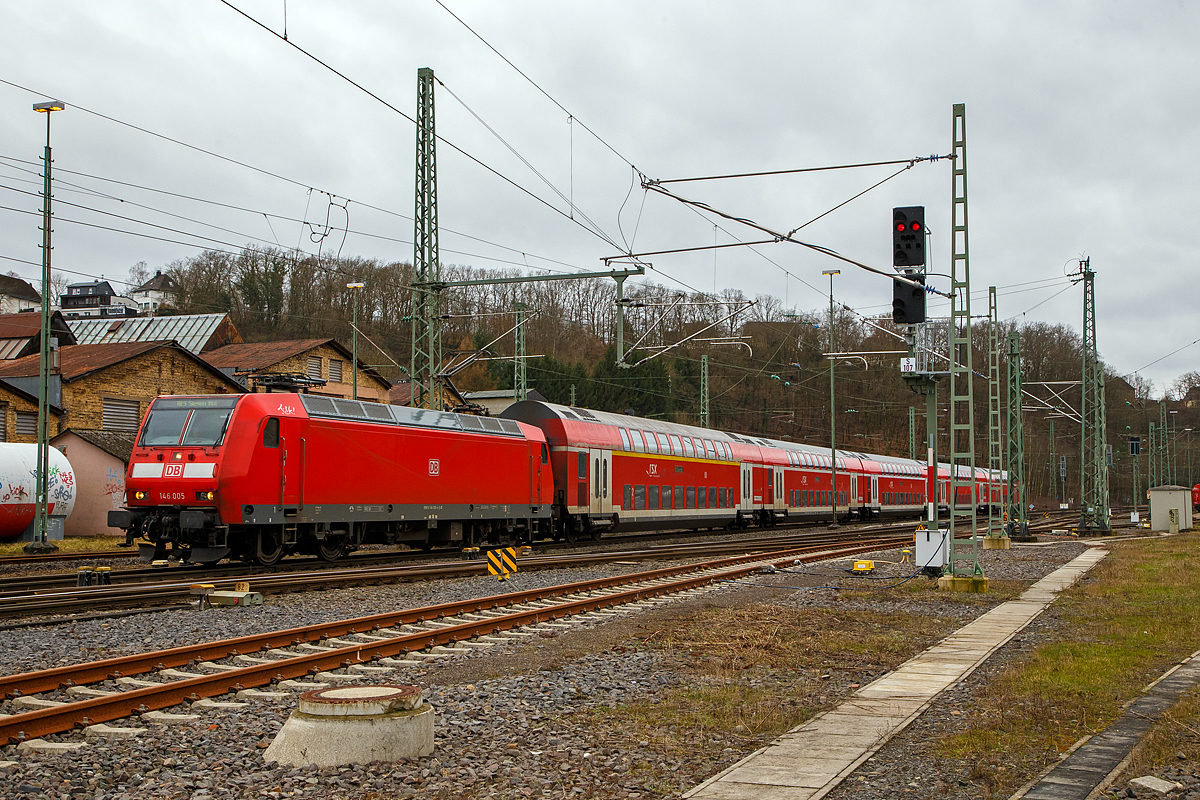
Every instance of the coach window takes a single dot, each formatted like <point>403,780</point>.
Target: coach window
<point>604,473</point>
<point>639,444</point>
<point>676,446</point>
<point>624,439</point>
<point>710,449</point>
<point>582,465</point>
<point>628,504</point>
<point>679,497</point>
<point>688,450</point>
<point>666,497</point>
<point>639,497</point>
<point>664,445</point>
<point>651,443</point>
<point>596,477</point>
<point>702,497</point>
<point>691,497</point>
<point>652,497</point>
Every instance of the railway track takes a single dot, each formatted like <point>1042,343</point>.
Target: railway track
<point>365,647</point>
<point>175,589</point>
<point>25,596</point>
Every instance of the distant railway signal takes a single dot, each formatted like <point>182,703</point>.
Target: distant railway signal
<point>908,302</point>
<point>908,236</point>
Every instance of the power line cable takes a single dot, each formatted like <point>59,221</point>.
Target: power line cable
<point>440,138</point>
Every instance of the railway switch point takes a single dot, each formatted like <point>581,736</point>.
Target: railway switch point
<point>83,576</point>
<point>235,598</point>
<point>103,576</point>
<point>355,725</point>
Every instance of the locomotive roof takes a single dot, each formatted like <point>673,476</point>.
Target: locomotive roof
<point>337,408</point>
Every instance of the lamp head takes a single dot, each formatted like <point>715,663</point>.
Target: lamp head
<point>46,108</point>
<point>355,285</point>
<point>831,272</point>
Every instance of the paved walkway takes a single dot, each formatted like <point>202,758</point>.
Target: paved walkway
<point>809,761</point>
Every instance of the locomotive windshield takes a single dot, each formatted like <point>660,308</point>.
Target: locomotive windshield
<point>191,422</point>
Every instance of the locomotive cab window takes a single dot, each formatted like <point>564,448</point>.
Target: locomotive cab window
<point>194,423</point>
<point>545,454</point>
<point>271,432</point>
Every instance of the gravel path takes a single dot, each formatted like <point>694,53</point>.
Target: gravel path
<point>521,720</point>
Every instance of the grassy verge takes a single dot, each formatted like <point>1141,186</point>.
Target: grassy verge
<point>761,668</point>
<point>83,544</point>
<point>1137,614</point>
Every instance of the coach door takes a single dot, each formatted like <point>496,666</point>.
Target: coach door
<point>777,495</point>
<point>746,502</point>
<point>873,500</point>
<point>291,454</point>
<point>601,482</point>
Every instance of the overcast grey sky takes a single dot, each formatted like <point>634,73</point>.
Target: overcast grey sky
<point>1081,129</point>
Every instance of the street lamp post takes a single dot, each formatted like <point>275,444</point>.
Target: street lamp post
<point>832,418</point>
<point>40,545</point>
<point>354,326</point>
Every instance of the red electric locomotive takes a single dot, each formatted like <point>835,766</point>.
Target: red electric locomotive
<point>258,476</point>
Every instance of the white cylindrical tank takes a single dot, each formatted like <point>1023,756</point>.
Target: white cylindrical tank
<point>18,487</point>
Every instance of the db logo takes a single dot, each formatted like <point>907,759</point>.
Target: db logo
<point>435,466</point>
<point>173,471</point>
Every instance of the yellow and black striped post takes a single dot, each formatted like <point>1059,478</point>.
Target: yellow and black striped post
<point>502,561</point>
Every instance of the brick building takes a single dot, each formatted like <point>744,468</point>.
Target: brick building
<point>315,366</point>
<point>109,386</point>
<point>19,412</point>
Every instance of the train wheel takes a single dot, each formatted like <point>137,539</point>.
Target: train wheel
<point>328,550</point>
<point>269,549</point>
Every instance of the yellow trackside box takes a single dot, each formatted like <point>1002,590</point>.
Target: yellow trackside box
<point>864,566</point>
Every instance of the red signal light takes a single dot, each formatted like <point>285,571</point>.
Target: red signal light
<point>900,226</point>
<point>916,226</point>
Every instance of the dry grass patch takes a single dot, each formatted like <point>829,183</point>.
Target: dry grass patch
<point>762,669</point>
<point>81,544</point>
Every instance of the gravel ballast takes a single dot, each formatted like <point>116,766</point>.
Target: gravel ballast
<point>518,720</point>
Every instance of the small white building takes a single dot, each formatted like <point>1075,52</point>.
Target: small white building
<point>17,295</point>
<point>1167,499</point>
<point>158,291</point>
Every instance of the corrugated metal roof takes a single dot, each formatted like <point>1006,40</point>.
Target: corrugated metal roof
<point>191,331</point>
<point>261,355</point>
<point>10,347</point>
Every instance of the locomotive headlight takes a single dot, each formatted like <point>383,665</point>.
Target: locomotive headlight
<point>206,495</point>
<point>139,495</point>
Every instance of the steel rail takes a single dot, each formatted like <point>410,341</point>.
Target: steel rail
<point>76,598</point>
<point>104,709</point>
